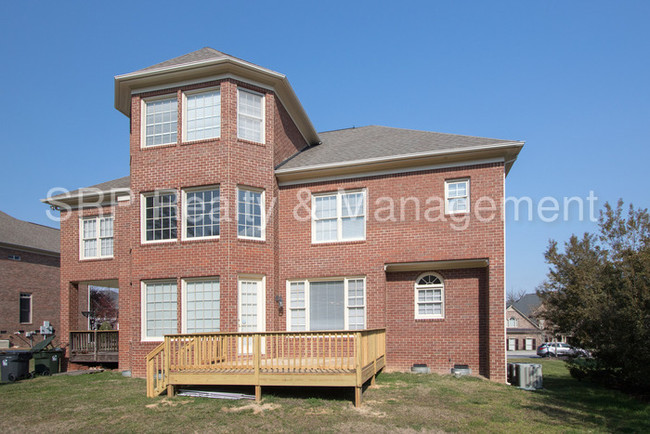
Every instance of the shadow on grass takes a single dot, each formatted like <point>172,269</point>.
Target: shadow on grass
<point>270,393</point>
<point>587,405</point>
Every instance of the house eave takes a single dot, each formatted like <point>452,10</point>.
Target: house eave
<point>126,84</point>
<point>29,249</point>
<point>87,196</point>
<point>453,264</point>
<point>505,152</point>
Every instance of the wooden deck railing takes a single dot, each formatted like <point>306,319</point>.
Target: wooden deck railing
<point>94,346</point>
<point>332,358</point>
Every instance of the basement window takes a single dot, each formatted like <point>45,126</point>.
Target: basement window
<point>14,257</point>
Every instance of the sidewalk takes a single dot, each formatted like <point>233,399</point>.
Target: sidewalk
<point>521,354</point>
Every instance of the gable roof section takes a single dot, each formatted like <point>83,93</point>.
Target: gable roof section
<point>20,233</point>
<point>378,147</point>
<point>210,64</point>
<point>528,304</point>
<point>105,190</point>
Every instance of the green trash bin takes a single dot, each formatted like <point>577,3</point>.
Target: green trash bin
<point>15,366</point>
<point>47,362</point>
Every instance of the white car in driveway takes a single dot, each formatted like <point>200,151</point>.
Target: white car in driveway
<point>560,349</point>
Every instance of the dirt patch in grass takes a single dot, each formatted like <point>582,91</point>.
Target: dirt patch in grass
<point>254,406</point>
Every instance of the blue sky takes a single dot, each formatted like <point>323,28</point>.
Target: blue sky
<point>571,78</point>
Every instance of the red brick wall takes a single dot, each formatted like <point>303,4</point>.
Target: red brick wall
<point>473,330</point>
<point>35,274</point>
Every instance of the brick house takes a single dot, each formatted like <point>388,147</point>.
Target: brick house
<point>525,329</point>
<point>238,216</point>
<point>29,279</point>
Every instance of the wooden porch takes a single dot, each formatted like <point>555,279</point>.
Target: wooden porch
<point>94,346</point>
<point>332,358</point>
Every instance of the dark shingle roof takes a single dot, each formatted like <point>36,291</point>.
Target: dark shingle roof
<point>21,233</point>
<point>528,304</point>
<point>374,141</point>
<point>203,54</point>
<point>107,186</point>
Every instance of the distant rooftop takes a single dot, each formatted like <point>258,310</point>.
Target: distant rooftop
<point>528,304</point>
<point>31,235</point>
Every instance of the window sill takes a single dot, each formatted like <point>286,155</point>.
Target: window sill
<point>334,243</point>
<point>166,145</point>
<point>252,240</point>
<point>429,319</point>
<point>101,258</point>
<point>250,142</point>
<point>158,243</point>
<point>201,141</point>
<point>200,240</point>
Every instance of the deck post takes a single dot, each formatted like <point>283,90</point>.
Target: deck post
<point>170,390</point>
<point>95,338</point>
<point>359,367</point>
<point>357,396</point>
<point>257,354</point>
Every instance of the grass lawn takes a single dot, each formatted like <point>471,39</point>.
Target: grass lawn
<point>108,402</point>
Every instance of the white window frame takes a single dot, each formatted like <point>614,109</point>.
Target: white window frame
<point>440,286</point>
<point>339,215</point>
<point>447,198</point>
<point>31,306</point>
<point>98,237</point>
<point>306,282</point>
<point>262,211</point>
<point>143,309</point>
<point>184,300</point>
<point>184,213</point>
<point>187,93</point>
<point>143,217</point>
<point>528,347</point>
<point>143,119</point>
<point>263,122</point>
<point>511,321</point>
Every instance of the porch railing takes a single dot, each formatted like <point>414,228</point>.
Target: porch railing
<point>254,357</point>
<point>94,346</point>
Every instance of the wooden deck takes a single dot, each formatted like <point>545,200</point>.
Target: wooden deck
<point>332,358</point>
<point>94,346</point>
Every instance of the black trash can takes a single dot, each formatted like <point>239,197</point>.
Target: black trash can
<point>14,365</point>
<point>47,362</point>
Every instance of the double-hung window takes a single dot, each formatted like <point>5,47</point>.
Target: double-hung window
<point>25,309</point>
<point>159,302</point>
<point>202,213</point>
<point>201,305</point>
<point>250,213</point>
<point>457,196</point>
<point>339,216</point>
<point>159,216</point>
<point>160,121</point>
<point>429,297</point>
<point>250,115</point>
<point>332,304</point>
<point>96,237</point>
<point>202,118</point>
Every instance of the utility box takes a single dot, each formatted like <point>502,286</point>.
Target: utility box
<point>528,376</point>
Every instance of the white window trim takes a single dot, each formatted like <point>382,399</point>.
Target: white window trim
<point>143,119</point>
<point>263,132</point>
<point>184,111</point>
<point>143,310</point>
<point>143,219</point>
<point>339,215</point>
<point>184,298</point>
<point>442,296</point>
<point>184,214</point>
<point>306,282</point>
<point>262,210</point>
<point>452,181</point>
<point>97,218</point>
<point>261,306</point>
<point>31,306</point>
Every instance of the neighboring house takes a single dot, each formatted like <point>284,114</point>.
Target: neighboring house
<point>524,327</point>
<point>29,279</point>
<point>214,231</point>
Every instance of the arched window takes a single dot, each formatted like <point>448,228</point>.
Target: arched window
<point>429,296</point>
<point>512,322</point>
